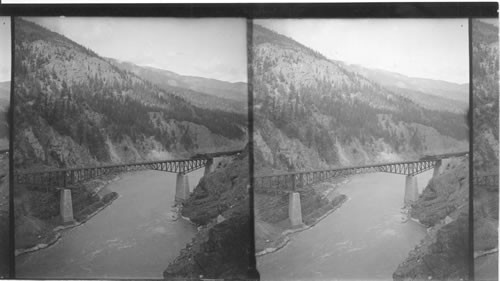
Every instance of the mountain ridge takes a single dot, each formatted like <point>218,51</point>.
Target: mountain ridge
<point>77,108</point>
<point>295,85</point>
<point>204,92</point>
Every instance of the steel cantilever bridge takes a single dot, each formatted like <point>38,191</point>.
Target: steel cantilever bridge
<point>290,182</point>
<point>65,179</point>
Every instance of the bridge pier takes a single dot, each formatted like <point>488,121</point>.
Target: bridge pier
<point>181,188</point>
<point>66,206</point>
<point>294,209</point>
<point>209,167</point>
<point>437,168</point>
<point>411,190</point>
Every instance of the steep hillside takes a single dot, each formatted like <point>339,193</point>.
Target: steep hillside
<point>202,92</point>
<point>485,141</point>
<point>443,207</point>
<point>485,95</point>
<point>313,112</point>
<point>219,205</point>
<point>431,94</point>
<point>76,108</point>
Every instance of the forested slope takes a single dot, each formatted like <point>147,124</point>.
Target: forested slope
<point>75,108</point>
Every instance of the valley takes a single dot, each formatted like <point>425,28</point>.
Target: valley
<point>76,110</point>
<point>315,116</point>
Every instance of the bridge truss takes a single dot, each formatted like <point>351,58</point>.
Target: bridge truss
<point>293,181</point>
<point>63,178</point>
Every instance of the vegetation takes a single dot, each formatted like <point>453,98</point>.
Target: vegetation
<point>349,105</point>
<point>98,101</point>
<point>485,94</point>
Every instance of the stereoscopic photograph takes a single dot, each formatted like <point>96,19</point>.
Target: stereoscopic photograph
<point>361,149</point>
<point>131,148</point>
<point>485,146</point>
<point>5,76</point>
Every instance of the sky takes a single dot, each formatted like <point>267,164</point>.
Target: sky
<point>425,48</point>
<point>5,53</point>
<point>211,48</point>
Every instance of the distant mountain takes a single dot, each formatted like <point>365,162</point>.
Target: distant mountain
<point>227,90</point>
<point>311,112</point>
<point>431,94</point>
<point>203,92</point>
<point>76,108</point>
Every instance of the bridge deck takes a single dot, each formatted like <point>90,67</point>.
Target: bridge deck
<point>292,180</point>
<point>65,177</point>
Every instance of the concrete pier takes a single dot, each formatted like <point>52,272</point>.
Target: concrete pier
<point>66,207</point>
<point>209,167</point>
<point>181,188</point>
<point>437,168</point>
<point>294,209</point>
<point>411,190</point>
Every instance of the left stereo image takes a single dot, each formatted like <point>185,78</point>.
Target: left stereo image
<point>130,148</point>
<point>5,76</point>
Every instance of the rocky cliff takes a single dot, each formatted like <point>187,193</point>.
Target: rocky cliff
<point>219,205</point>
<point>443,207</point>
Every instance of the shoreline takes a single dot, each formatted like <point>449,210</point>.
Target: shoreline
<point>288,232</point>
<point>59,229</point>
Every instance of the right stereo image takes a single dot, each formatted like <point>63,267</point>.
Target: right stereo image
<point>485,146</point>
<point>361,147</point>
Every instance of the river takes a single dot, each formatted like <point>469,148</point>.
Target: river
<point>134,237</point>
<point>363,239</point>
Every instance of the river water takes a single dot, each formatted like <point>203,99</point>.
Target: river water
<point>363,239</point>
<point>134,237</point>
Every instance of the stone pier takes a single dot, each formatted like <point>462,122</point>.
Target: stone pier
<point>209,166</point>
<point>411,190</point>
<point>181,188</point>
<point>66,207</point>
<point>294,209</point>
<point>437,168</point>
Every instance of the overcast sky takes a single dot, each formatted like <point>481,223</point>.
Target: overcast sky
<point>211,48</point>
<point>426,48</point>
<point>5,53</point>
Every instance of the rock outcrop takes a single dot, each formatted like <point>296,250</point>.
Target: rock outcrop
<point>221,248</point>
<point>444,208</point>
